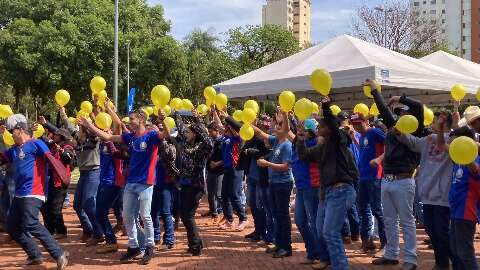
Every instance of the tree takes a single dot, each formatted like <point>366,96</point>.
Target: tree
<point>256,46</point>
<point>405,30</point>
<point>47,45</point>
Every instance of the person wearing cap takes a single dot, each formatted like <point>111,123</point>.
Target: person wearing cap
<point>464,201</point>
<point>307,181</point>
<point>398,185</point>
<point>338,174</point>
<point>31,159</point>
<point>62,148</point>
<point>371,147</point>
<point>138,191</point>
<point>215,174</point>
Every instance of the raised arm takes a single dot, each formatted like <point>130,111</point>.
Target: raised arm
<point>100,133</point>
<point>416,109</point>
<point>117,122</point>
<point>66,123</point>
<point>385,112</point>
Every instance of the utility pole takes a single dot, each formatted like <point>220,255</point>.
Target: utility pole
<point>115,58</point>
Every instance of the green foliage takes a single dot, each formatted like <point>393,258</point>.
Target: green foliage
<point>424,52</point>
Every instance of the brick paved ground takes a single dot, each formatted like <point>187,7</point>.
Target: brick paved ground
<point>224,250</point>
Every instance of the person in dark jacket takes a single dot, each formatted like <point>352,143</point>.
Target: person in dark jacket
<point>338,173</point>
<point>215,174</point>
<point>398,186</point>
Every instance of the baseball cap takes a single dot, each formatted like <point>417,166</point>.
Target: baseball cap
<point>64,133</point>
<point>343,115</point>
<point>17,121</point>
<point>310,124</point>
<point>357,118</point>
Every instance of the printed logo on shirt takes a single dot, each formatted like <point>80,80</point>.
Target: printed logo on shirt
<point>458,175</point>
<point>143,146</point>
<point>21,154</point>
<point>105,149</point>
<point>277,153</point>
<point>365,142</point>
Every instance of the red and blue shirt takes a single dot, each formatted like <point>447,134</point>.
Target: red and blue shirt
<point>111,168</point>
<point>306,174</point>
<point>464,195</point>
<point>143,157</point>
<point>371,145</point>
<point>30,166</point>
<point>230,151</point>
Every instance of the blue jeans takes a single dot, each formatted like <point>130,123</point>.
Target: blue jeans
<point>7,192</point>
<point>85,202</point>
<point>264,200</point>
<point>370,203</point>
<point>397,200</point>
<point>137,200</point>
<point>258,212</point>
<point>330,219</point>
<point>306,206</point>
<point>351,226</point>
<point>231,194</point>
<point>462,234</point>
<point>214,190</point>
<point>418,208</point>
<point>22,223</point>
<point>162,208</point>
<point>280,193</point>
<point>106,197</point>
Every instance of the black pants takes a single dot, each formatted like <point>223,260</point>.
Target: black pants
<point>190,200</point>
<point>52,210</point>
<point>23,222</point>
<point>214,189</point>
<point>462,233</point>
<point>437,226</point>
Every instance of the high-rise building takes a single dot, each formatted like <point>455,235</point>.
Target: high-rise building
<point>459,20</point>
<point>293,15</point>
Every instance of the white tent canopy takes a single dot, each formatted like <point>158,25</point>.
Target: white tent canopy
<point>350,61</point>
<point>453,63</point>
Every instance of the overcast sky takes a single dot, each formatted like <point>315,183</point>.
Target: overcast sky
<point>329,17</point>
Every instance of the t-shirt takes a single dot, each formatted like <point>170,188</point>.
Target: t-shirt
<point>370,146</point>
<point>230,151</point>
<point>30,168</point>
<point>253,171</point>
<point>306,174</point>
<point>281,153</point>
<point>464,193</point>
<point>354,148</point>
<point>143,157</point>
<point>111,169</point>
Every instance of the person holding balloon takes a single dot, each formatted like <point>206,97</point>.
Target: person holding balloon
<point>398,185</point>
<point>338,173</point>
<point>464,195</point>
<point>195,148</point>
<point>138,191</point>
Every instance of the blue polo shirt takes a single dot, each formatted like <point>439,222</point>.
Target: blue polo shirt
<point>281,153</point>
<point>371,145</point>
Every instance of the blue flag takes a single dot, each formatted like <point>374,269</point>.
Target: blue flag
<point>131,99</point>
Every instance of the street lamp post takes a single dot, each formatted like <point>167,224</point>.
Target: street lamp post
<point>386,11</point>
<point>115,58</point>
<point>128,69</point>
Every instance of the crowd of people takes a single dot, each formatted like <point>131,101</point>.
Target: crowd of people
<point>355,178</point>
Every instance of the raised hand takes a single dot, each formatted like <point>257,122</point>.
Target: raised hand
<point>42,120</point>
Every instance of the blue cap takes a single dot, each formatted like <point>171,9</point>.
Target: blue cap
<point>310,124</point>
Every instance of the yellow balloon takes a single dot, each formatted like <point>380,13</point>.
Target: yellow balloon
<point>209,93</point>
<point>8,138</point>
<point>221,101</point>
<point>39,132</point>
<point>176,104</point>
<point>246,132</point>
<point>202,109</point>
<point>407,124</point>
<point>458,92</point>
<point>103,120</point>
<point>303,108</point>
<point>374,110</point>
<point>160,95</point>
<point>187,104</point>
<point>5,111</point>
<point>361,109</point>
<point>168,110</point>
<point>170,122</point>
<point>102,95</point>
<point>315,109</point>
<point>427,116</point>
<point>62,97</point>
<point>86,106</point>
<point>146,112</point>
<point>478,94</point>
<point>72,121</point>
<point>335,110</point>
<point>252,104</point>
<point>463,150</point>
<point>209,102</point>
<point>248,116</point>
<point>126,120</point>
<point>149,110</point>
<point>237,115</point>
<point>367,90</point>
<point>97,84</point>
<point>83,114</point>
<point>286,100</point>
<point>321,81</point>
